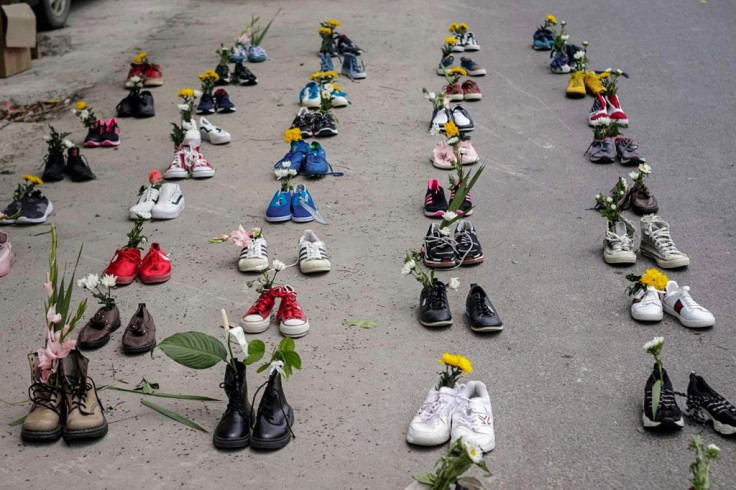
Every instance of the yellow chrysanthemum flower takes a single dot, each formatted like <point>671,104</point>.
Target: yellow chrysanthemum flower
<point>453,27</point>
<point>330,74</point>
<point>81,105</point>
<point>32,179</point>
<point>292,134</point>
<point>315,75</point>
<point>653,277</point>
<point>140,58</point>
<point>451,129</point>
<point>551,19</point>
<point>186,92</point>
<point>212,73</point>
<point>202,76</point>
<point>325,31</point>
<point>336,87</point>
<point>450,40</point>
<point>458,70</point>
<point>463,26</point>
<point>334,23</point>
<point>458,361</point>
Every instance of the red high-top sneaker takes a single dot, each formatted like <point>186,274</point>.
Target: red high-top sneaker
<point>124,265</point>
<point>293,321</point>
<point>258,317</point>
<point>154,76</point>
<point>156,266</point>
<point>598,110</point>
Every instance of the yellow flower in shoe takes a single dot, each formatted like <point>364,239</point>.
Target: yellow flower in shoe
<point>453,27</point>
<point>451,129</point>
<point>463,27</point>
<point>325,31</point>
<point>330,74</point>
<point>458,361</point>
<point>140,58</point>
<point>32,179</point>
<point>653,277</point>
<point>186,93</point>
<point>457,70</point>
<point>450,41</point>
<point>316,75</point>
<point>334,23</point>
<point>292,134</point>
<point>551,19</point>
<point>81,105</point>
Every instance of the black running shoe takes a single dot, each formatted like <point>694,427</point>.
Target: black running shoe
<point>668,417</point>
<point>110,133</point>
<point>466,207</point>
<point>434,309</point>
<point>435,203</point>
<point>94,135</point>
<point>34,209</point>
<point>223,71</point>
<point>127,106</point>
<point>304,120</point>
<point>76,166</point>
<point>480,311</point>
<point>54,168</point>
<point>345,45</point>
<point>468,247</point>
<point>438,249</point>
<point>704,403</point>
<point>324,125</point>
<point>243,76</point>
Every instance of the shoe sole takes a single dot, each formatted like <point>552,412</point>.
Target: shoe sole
<point>721,428</point>
<point>326,132</point>
<point>472,97</point>
<point>139,350</point>
<point>647,318</point>
<point>294,331</point>
<point>603,160</point>
<point>443,323</point>
<point>199,111</point>
<point>252,268</point>
<point>226,111</point>
<point>309,267</point>
<point>426,441</point>
<point>230,443</point>
<point>484,328</point>
<point>310,105</point>
<point>440,265</point>
<point>165,214</point>
<point>455,97</point>
<point>256,327</point>
<point>205,174</point>
<point>560,72</point>
<point>90,144</point>
<point>101,342</point>
<point>124,281</point>
<point>156,279</point>
<point>278,219</point>
<point>179,174</point>
<point>356,76</point>
<point>466,215</point>
<point>472,48</point>
<point>473,261</point>
<point>435,214</point>
<point>41,436</point>
<point>477,73</point>
<point>466,129</point>
<point>34,221</point>
<point>458,49</point>
<point>302,220</point>
<point>75,435</point>
<point>632,161</point>
<point>273,443</point>
<point>153,82</point>
<point>666,263</point>
<point>617,259</point>
<point>575,95</point>
<point>109,144</point>
<point>669,426</point>
<point>642,211</point>
<point>688,323</point>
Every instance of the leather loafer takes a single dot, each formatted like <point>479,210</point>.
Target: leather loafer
<point>479,309</point>
<point>96,332</point>
<point>140,334</point>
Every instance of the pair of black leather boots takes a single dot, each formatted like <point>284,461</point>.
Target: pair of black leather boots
<point>269,428</point>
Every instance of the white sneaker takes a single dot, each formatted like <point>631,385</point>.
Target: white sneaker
<point>440,117</point>
<point>647,306</point>
<point>179,167</point>
<point>170,202</point>
<point>254,256</point>
<point>309,97</point>
<point>201,168</point>
<point>657,243</point>
<point>312,254</point>
<point>431,425</point>
<point>145,203</point>
<point>473,417</point>
<point>212,133</point>
<point>618,247</point>
<point>469,42</point>
<point>191,137</point>
<point>677,302</point>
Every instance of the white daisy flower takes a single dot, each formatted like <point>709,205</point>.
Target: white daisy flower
<point>278,265</point>
<point>654,344</point>
<point>645,169</point>
<point>454,284</point>
<point>474,453</point>
<point>67,143</point>
<point>445,231</point>
<point>183,107</point>
<point>579,55</point>
<point>452,141</point>
<point>449,216</point>
<point>434,130</point>
<point>565,37</point>
<point>633,175</point>
<point>609,199</point>
<point>144,215</point>
<point>91,281</point>
<point>108,280</point>
<point>408,267</point>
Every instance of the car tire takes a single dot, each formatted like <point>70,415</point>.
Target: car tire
<point>52,14</point>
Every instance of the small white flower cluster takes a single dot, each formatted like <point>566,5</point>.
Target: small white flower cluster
<point>453,141</point>
<point>645,169</point>
<point>434,130</point>
<point>67,143</point>
<point>454,284</point>
<point>579,55</point>
<point>430,95</point>
<point>449,216</point>
<point>93,280</point>
<point>144,215</point>
<point>408,267</point>
<point>601,121</point>
<point>565,37</point>
<point>278,265</point>
<point>183,107</point>
<point>654,344</point>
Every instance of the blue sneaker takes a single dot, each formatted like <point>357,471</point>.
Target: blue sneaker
<point>238,53</point>
<point>309,96</point>
<point>445,64</point>
<point>257,54</point>
<point>297,156</point>
<point>353,68</point>
<point>325,62</point>
<point>206,104</point>
<point>559,64</point>
<point>339,98</point>
<point>222,102</point>
<point>280,208</point>
<point>303,209</point>
<point>473,68</point>
<point>543,39</point>
<point>316,164</point>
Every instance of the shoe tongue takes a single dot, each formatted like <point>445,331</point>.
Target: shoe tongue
<point>620,228</point>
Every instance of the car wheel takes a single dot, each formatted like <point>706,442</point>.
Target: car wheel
<point>52,14</point>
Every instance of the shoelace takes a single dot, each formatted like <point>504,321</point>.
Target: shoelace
<point>688,300</point>
<point>606,145</point>
<point>649,298</point>
<point>353,65</point>
<point>43,394</point>
<point>663,241</point>
<point>627,144</point>
<point>619,243</point>
<point>596,144</point>
<point>255,250</point>
<point>261,305</point>
<point>312,212</point>
<point>464,240</point>
<point>314,251</point>
<point>235,397</point>
<point>148,194</point>
<point>482,308</point>
<point>437,299</point>
<point>267,409</point>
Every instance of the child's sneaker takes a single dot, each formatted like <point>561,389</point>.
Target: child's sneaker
<point>136,70</point>
<point>339,98</point>
<point>324,125</point>
<point>646,306</point>
<point>257,54</point>
<point>254,256</point>
<point>192,137</point>
<point>201,168</point>
<point>704,403</point>
<point>94,135</point>
<point>543,39</point>
<point>304,120</point>
<point>154,76</point>
<point>599,109</point>
<point>296,157</point>
<point>279,209</point>
<point>462,119</point>
<point>213,134</point>
<point>471,91</point>
<point>593,83</point>
<point>468,155</point>
<point>473,68</point>
<point>602,151</point>
<point>575,86</point>
<point>618,245</point>
<point>627,151</point>
<point>77,167</point>
<point>155,267</point>
<point>668,417</point>
<point>615,112</point>
<point>657,243</point>
<point>110,133</point>
<point>243,76</point>
<point>309,95</point>
<point>6,255</point>
<point>170,202</point>
<point>442,156</point>
<point>206,104</point>
<point>677,302</point>
<point>469,42</point>
<point>466,207</point>
<point>312,254</point>
<point>431,425</point>
<point>472,419</point>
<point>453,92</point>
<point>560,63</point>
<point>223,104</point>
<point>440,117</point>
<point>146,199</point>
<point>124,265</point>
<point>435,203</point>
<point>180,165</point>
<point>303,209</point>
<point>223,72</point>
<point>468,247</point>
<point>353,68</point>
<point>438,249</point>
<point>258,317</point>
<point>292,320</point>
<point>445,64</point>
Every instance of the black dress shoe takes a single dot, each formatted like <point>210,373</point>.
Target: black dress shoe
<point>76,166</point>
<point>233,430</point>
<point>275,417</point>
<point>128,106</point>
<point>434,309</point>
<point>54,169</point>
<point>480,311</point>
<point>144,107</point>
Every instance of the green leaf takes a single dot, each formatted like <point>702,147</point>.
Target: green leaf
<point>172,415</point>
<point>194,350</point>
<point>163,395</point>
<point>352,322</point>
<point>287,343</point>
<point>292,359</point>
<point>425,478</point>
<point>470,483</point>
<point>256,349</point>
<point>262,368</point>
<point>17,422</point>
<point>640,430</point>
<point>656,393</point>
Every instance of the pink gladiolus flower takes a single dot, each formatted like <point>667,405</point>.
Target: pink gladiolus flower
<point>52,317</point>
<point>47,286</point>
<point>240,237</point>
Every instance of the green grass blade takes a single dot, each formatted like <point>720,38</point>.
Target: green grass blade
<point>178,396</point>
<point>173,415</point>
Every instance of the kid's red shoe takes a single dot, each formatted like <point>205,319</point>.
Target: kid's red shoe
<point>293,321</point>
<point>258,317</point>
<point>124,265</point>
<point>136,70</point>
<point>154,76</point>
<point>156,266</point>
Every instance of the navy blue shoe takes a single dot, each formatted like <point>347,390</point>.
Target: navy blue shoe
<point>222,102</point>
<point>206,104</point>
<point>559,64</point>
<point>543,39</point>
<point>345,45</point>
<point>238,53</point>
<point>316,164</point>
<point>303,209</point>
<point>279,209</point>
<point>296,156</point>
<point>352,68</point>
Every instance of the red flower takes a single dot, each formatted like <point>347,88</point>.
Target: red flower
<point>154,177</point>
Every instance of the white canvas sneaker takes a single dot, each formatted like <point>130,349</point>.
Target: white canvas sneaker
<point>170,202</point>
<point>192,137</point>
<point>657,243</point>
<point>677,302</point>
<point>472,419</point>
<point>618,246</point>
<point>254,256</point>
<point>201,168</point>
<point>647,306</point>
<point>179,166</point>
<point>146,200</point>
<point>470,43</point>
<point>431,425</point>
<point>213,134</point>
<point>312,254</point>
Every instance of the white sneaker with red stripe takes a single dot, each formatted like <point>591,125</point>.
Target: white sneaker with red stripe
<point>179,166</point>
<point>201,168</point>
<point>677,302</point>
<point>615,112</point>
<point>598,110</point>
<point>292,320</point>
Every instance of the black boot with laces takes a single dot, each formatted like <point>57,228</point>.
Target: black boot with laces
<point>275,417</point>
<point>668,417</point>
<point>704,403</point>
<point>233,430</point>
<point>434,309</point>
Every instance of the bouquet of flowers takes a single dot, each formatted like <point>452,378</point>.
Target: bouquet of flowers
<point>438,100</point>
<point>561,38</point>
<point>208,79</point>
<point>450,41</point>
<point>609,206</point>
<point>412,259</point>
<point>644,170</point>
<point>136,239</point>
<point>651,277</point>
<point>56,141</point>
<point>451,466</point>
<point>100,287</point>
<point>581,58</point>
<point>85,114</point>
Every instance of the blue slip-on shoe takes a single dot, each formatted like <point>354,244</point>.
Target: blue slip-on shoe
<point>316,164</point>
<point>309,96</point>
<point>445,64</point>
<point>223,103</point>
<point>352,68</point>
<point>303,209</point>
<point>206,104</point>
<point>296,157</point>
<point>543,39</point>
<point>257,54</point>
<point>473,68</point>
<point>325,62</point>
<point>238,54</point>
<point>280,208</point>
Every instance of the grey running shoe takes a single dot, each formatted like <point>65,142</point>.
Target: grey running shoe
<point>34,209</point>
<point>657,243</point>
<point>628,152</point>
<point>602,151</point>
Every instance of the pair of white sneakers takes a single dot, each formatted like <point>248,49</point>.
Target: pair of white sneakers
<point>167,202</point>
<point>453,413</point>
<point>207,132</point>
<point>675,300</point>
<point>312,255</point>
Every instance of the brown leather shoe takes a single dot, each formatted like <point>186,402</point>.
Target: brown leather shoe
<point>85,418</point>
<point>96,332</point>
<point>43,422</point>
<point>642,202</point>
<point>140,335</point>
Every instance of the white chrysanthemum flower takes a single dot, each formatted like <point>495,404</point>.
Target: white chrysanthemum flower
<point>430,95</point>
<point>280,173</point>
<point>585,43</point>
<point>408,267</point>
<point>563,23</point>
<point>82,283</point>
<point>134,79</point>
<point>713,450</point>
<point>613,206</point>
<point>645,169</point>
<point>609,199</point>
<point>47,138</point>
<point>598,196</point>
<point>474,453</point>
<point>91,281</point>
<point>197,94</point>
<point>619,71</point>
<point>278,265</point>
<point>183,107</point>
<point>633,175</point>
<point>565,37</point>
<point>609,70</point>
<point>449,216</point>
<point>108,280</point>
<point>579,55</point>
<point>67,143</point>
<point>144,215</point>
<point>434,130</point>
<point>187,126</point>
<point>453,141</point>
<point>84,114</point>
<point>286,164</point>
<point>144,240</point>
<point>454,284</point>
<point>325,94</point>
<point>292,172</point>
<point>445,231</point>
<point>655,343</point>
